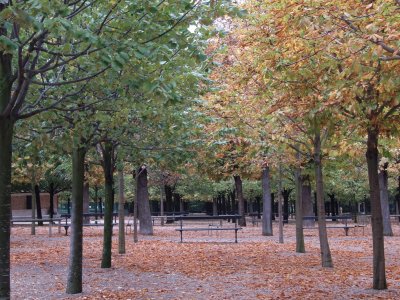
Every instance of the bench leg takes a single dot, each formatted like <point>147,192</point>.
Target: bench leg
<point>66,230</point>
<point>346,229</point>
<point>181,237</point>
<point>236,236</point>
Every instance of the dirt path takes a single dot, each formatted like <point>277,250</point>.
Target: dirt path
<point>204,267</point>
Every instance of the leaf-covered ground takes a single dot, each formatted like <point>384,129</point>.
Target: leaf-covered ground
<point>205,266</point>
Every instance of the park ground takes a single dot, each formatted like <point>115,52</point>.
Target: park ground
<point>204,266</point>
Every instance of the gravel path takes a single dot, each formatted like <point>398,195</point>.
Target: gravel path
<point>204,267</point>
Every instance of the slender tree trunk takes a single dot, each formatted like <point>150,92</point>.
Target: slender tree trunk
<point>162,203</point>
<point>6,135</point>
<point>280,212</point>
<point>74,281</point>
<point>307,202</point>
<point>108,204</point>
<point>215,206</point>
<point>286,195</point>
<point>51,194</point>
<point>326,256</point>
<point>379,275</point>
<point>384,194</point>
<point>96,202</point>
<point>38,204</point>
<point>300,248</point>
<point>239,195</point>
<point>33,210</point>
<point>121,212</point>
<point>146,226</point>
<point>181,204</point>
<point>267,203</point>
<point>135,207</point>
<point>86,220</point>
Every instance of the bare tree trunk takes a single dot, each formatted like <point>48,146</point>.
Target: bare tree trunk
<point>300,248</point>
<point>307,202</point>
<point>239,195</point>
<point>108,204</point>
<point>33,210</point>
<point>135,208</point>
<point>326,256</point>
<point>384,194</point>
<point>280,208</point>
<point>74,281</point>
<point>146,226</point>
<point>86,220</point>
<point>38,204</point>
<point>162,203</point>
<point>51,195</point>
<point>267,205</point>
<point>121,212</point>
<point>379,273</point>
<point>215,207</point>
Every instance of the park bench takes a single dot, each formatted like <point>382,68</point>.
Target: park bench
<point>67,225</point>
<point>211,227</point>
<point>345,226</point>
<point>29,221</point>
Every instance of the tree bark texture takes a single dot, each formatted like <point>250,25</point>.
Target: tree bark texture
<point>307,202</point>
<point>121,212</point>
<point>6,133</point>
<point>33,204</point>
<point>286,195</point>
<point>108,204</point>
<point>74,281</point>
<point>38,204</point>
<point>326,256</point>
<point>146,226</point>
<point>379,273</point>
<point>384,194</point>
<point>215,206</point>
<point>86,220</point>
<point>239,195</point>
<point>267,203</point>
<point>300,248</point>
<point>51,195</point>
<point>280,208</point>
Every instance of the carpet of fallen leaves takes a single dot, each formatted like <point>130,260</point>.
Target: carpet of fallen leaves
<point>205,266</point>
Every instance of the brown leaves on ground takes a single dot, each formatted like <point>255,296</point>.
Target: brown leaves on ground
<point>208,266</point>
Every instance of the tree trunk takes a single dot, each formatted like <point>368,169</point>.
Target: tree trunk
<point>135,207</point>
<point>108,204</point>
<point>300,248</point>
<point>146,226</point>
<point>384,194</point>
<point>51,195</point>
<point>38,205</point>
<point>121,212</point>
<point>33,210</point>
<point>168,199</point>
<point>96,202</point>
<point>215,206</point>
<point>326,256</point>
<point>307,202</point>
<point>74,281</point>
<point>379,275</point>
<point>162,203</point>
<point>86,220</point>
<point>267,203</point>
<point>239,195</point>
<point>280,212</point>
<point>181,205</point>
<point>286,195</point>
<point>6,133</point>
